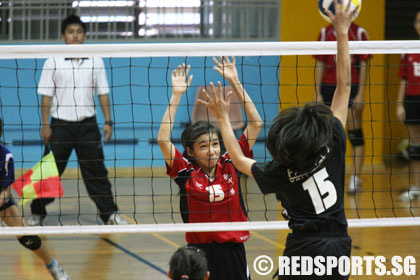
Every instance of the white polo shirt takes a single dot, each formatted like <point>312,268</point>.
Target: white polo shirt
<point>72,84</point>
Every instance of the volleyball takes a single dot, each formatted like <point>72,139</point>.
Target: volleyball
<point>329,5</point>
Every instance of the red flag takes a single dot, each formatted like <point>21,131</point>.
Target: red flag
<point>42,180</point>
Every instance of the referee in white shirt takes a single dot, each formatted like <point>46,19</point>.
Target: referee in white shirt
<point>68,86</point>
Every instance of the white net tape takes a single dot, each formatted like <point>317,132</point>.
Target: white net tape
<point>205,49</point>
<point>193,227</point>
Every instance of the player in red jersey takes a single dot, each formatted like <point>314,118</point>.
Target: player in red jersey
<point>325,83</point>
<point>408,110</point>
<point>209,183</point>
<point>308,146</point>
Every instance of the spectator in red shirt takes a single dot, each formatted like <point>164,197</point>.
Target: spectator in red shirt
<point>325,83</point>
<point>408,110</point>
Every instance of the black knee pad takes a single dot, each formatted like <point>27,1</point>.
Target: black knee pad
<point>31,242</point>
<point>414,151</point>
<point>356,137</point>
<point>7,204</point>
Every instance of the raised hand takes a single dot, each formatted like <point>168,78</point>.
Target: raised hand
<point>226,68</point>
<point>216,102</point>
<point>180,79</point>
<point>343,16</point>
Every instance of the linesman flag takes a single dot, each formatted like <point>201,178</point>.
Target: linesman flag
<point>40,181</point>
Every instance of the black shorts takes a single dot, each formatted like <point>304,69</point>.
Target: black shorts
<point>227,261</point>
<point>327,92</point>
<point>8,203</point>
<point>334,244</point>
<point>412,110</point>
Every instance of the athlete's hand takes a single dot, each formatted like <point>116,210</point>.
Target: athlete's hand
<point>216,102</point>
<point>226,68</point>
<point>342,18</point>
<point>180,79</point>
<point>46,133</point>
<point>318,98</point>
<point>400,112</point>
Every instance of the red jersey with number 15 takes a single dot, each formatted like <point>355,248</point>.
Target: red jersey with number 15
<point>410,71</point>
<point>356,33</point>
<point>203,200</point>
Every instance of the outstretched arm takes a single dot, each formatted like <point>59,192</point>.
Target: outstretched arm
<point>219,107</point>
<point>180,84</point>
<point>342,21</point>
<point>227,69</point>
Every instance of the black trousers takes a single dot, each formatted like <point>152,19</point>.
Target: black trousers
<point>327,92</point>
<point>328,244</point>
<point>226,261</point>
<point>412,110</point>
<point>85,138</point>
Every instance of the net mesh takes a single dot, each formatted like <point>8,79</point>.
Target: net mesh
<point>276,75</point>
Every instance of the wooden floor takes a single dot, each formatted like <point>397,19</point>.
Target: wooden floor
<point>146,256</point>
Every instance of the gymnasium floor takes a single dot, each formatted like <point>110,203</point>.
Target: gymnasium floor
<point>146,255</point>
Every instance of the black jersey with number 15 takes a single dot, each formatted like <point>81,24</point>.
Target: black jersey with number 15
<point>314,200</point>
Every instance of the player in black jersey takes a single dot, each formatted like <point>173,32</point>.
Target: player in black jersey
<point>308,146</point>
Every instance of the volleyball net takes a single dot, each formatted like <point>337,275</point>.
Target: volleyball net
<point>277,75</point>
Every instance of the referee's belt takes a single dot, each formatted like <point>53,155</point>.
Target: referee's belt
<point>85,120</point>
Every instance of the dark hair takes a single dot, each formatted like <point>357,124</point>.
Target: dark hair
<point>188,262</point>
<point>299,136</point>
<point>72,19</point>
<point>415,15</point>
<point>193,131</point>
